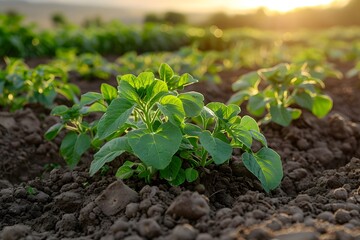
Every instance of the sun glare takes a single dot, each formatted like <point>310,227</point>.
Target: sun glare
<point>280,5</point>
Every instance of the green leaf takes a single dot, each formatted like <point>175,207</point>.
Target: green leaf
<point>193,103</point>
<point>246,81</point>
<point>73,147</point>
<point>322,105</point>
<point>156,149</point>
<point>219,150</point>
<point>280,115</point>
<point>240,136</point>
<point>266,166</point>
<point>186,79</point>
<point>249,123</point>
<point>180,178</point>
<point>172,107</point>
<point>191,174</point>
<point>108,92</point>
<point>171,171</point>
<point>192,129</point>
<point>53,131</point>
<point>224,112</point>
<point>115,117</point>
<point>239,97</point>
<point>165,72</point>
<point>304,99</point>
<point>127,91</point>
<point>59,110</point>
<point>108,153</point>
<point>259,137</point>
<point>155,91</point>
<point>295,113</point>
<point>90,97</point>
<point>124,172</point>
<point>256,105</point>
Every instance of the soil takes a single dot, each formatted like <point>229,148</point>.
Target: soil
<point>319,197</point>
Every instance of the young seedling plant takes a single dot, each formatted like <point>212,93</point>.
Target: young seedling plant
<point>173,134</point>
<point>285,88</point>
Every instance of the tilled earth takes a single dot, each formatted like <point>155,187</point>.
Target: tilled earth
<point>319,197</point>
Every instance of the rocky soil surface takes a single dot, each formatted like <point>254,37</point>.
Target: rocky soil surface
<point>319,197</point>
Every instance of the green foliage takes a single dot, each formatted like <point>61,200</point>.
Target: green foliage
<point>150,119</point>
<point>285,87</point>
<point>20,85</point>
<point>80,135</point>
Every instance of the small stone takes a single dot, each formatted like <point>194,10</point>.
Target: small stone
<point>68,201</point>
<point>184,232</point>
<point>131,210</point>
<point>274,225</point>
<point>15,232</point>
<point>67,223</point>
<point>342,216</point>
<point>258,214</point>
<point>149,228</point>
<point>5,184</point>
<point>33,138</point>
<point>155,210</point>
<point>340,194</point>
<point>302,198</point>
<point>298,236</point>
<point>40,197</point>
<point>119,225</point>
<point>326,216</point>
<point>303,144</point>
<point>323,155</point>
<point>115,198</point>
<point>189,205</point>
<point>259,234</point>
<point>204,236</point>
<point>298,174</point>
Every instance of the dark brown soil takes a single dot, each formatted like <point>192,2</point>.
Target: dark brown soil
<point>319,197</point>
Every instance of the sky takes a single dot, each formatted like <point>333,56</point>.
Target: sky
<point>204,5</point>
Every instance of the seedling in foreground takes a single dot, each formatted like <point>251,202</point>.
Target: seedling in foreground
<point>173,133</point>
<point>285,87</point>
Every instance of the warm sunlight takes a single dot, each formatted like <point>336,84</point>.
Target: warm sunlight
<point>280,5</point>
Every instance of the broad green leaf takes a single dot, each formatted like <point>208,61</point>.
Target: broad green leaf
<point>97,107</point>
<point>249,123</point>
<point>266,166</point>
<point>321,106</point>
<point>108,153</point>
<point>165,72</point>
<point>246,81</point>
<point>219,150</point>
<point>127,91</point>
<point>193,103</point>
<point>156,149</point>
<point>108,92</point>
<point>259,137</point>
<point>142,81</point>
<point>172,107</point>
<point>240,136</point>
<point>186,79</point>
<point>192,129</point>
<point>155,91</point>
<point>115,117</point>
<point>256,104</point>
<point>295,113</point>
<point>73,147</point>
<point>239,97</point>
<point>304,99</point>
<point>180,178</point>
<point>53,131</point>
<point>224,112</point>
<point>191,174</point>
<point>59,110</point>
<point>171,171</point>
<point>124,172</point>
<point>280,115</point>
<point>90,97</point>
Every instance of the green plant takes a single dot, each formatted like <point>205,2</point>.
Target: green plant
<point>20,85</point>
<point>81,134</point>
<point>173,133</point>
<point>284,88</point>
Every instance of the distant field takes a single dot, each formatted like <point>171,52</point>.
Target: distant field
<point>41,12</point>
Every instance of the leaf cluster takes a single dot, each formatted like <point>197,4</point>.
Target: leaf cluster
<point>284,88</point>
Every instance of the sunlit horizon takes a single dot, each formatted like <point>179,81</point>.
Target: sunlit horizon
<point>204,5</point>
